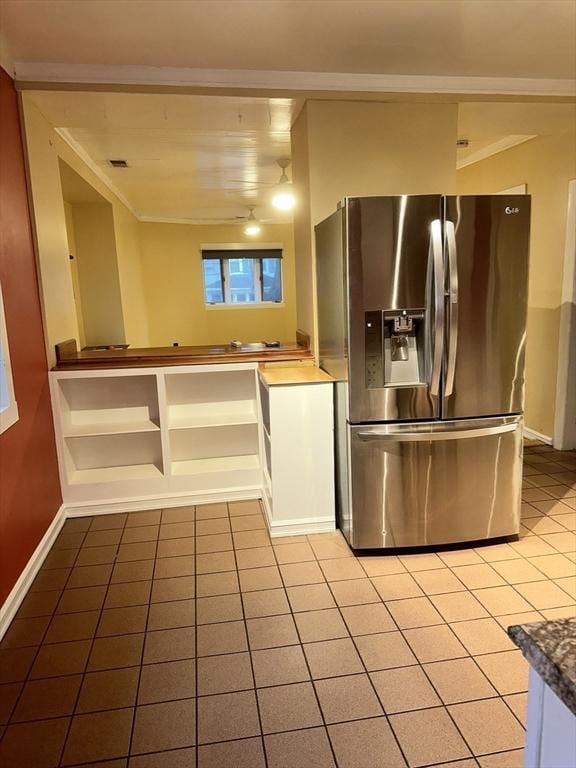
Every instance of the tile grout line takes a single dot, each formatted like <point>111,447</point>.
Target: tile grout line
<point>301,646</point>
<point>366,672</point>
<point>144,638</point>
<point>255,689</point>
<point>92,642</point>
<point>196,703</point>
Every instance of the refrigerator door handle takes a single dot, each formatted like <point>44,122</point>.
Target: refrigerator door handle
<point>436,254</point>
<point>391,435</point>
<point>452,296</point>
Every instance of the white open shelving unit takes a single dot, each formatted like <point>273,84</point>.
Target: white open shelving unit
<point>132,435</point>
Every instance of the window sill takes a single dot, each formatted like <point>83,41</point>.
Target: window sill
<point>8,417</point>
<point>259,305</point>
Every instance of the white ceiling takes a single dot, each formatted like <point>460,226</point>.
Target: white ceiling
<point>199,157</point>
<point>464,38</point>
<point>189,157</point>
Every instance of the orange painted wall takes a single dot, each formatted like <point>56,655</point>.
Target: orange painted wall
<point>29,483</point>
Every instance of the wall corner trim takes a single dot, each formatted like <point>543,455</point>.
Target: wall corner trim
<point>20,589</point>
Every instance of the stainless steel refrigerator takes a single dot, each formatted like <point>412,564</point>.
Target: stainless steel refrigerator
<point>422,321</point>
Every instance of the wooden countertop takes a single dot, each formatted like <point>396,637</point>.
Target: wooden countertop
<point>70,359</point>
<point>304,374</point>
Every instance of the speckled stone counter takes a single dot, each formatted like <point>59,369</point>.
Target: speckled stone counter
<point>550,648</point>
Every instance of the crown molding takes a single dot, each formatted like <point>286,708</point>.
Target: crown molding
<point>206,222</point>
<point>95,74</point>
<point>493,149</point>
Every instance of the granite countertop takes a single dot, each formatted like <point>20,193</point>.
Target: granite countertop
<point>550,648</point>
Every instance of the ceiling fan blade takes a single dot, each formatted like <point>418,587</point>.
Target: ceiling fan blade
<point>251,183</point>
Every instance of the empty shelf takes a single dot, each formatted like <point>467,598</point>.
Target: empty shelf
<point>111,474</point>
<point>212,420</point>
<point>221,464</point>
<point>110,428</point>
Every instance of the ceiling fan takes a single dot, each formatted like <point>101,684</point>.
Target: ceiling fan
<point>282,162</point>
<point>248,217</point>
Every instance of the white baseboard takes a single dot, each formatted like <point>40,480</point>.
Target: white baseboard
<point>87,508</point>
<point>531,434</point>
<point>300,527</point>
<point>10,607</point>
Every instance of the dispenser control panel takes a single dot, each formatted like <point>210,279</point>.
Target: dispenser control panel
<point>394,347</point>
<point>373,350</point>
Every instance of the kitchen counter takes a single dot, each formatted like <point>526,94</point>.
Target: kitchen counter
<point>69,358</point>
<point>550,647</point>
<point>293,375</point>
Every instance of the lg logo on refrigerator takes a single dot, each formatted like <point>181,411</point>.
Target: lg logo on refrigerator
<point>509,210</point>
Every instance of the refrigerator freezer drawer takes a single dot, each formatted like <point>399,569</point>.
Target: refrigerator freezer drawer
<point>435,483</point>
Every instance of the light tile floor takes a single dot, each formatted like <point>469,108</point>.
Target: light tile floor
<point>185,637</point>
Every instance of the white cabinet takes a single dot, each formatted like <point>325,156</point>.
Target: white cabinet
<point>147,437</point>
<point>551,728</point>
<point>298,450</point>
<point>144,436</point>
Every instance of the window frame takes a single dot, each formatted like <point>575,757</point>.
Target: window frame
<point>258,274</point>
<point>9,414</point>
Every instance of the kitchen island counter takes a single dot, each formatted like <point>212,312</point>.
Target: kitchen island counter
<point>550,648</point>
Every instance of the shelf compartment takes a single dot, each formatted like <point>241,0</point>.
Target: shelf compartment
<point>108,405</point>
<point>107,458</point>
<point>214,442</point>
<point>220,464</point>
<point>115,474</point>
<point>217,398</point>
<point>114,428</point>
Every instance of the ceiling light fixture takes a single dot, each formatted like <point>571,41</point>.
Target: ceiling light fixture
<point>284,199</point>
<point>252,227</point>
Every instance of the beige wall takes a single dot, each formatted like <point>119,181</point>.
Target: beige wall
<point>45,147</point>
<point>98,273</point>
<point>134,309</point>
<point>546,165</point>
<point>172,270</point>
<point>344,148</point>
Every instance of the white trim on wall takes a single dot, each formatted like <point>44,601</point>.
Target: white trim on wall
<point>565,411</point>
<point>493,149</point>
<point>101,74</point>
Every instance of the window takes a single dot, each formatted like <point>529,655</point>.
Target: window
<point>242,276</point>
<point>8,406</point>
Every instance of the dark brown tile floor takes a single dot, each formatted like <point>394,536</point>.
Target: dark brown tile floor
<point>185,637</point>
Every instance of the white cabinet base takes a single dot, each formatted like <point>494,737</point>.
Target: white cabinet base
<point>551,728</point>
<point>141,438</point>
<point>298,451</point>
<point>148,438</point>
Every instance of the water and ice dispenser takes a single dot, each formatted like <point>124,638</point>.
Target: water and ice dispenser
<point>394,348</point>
